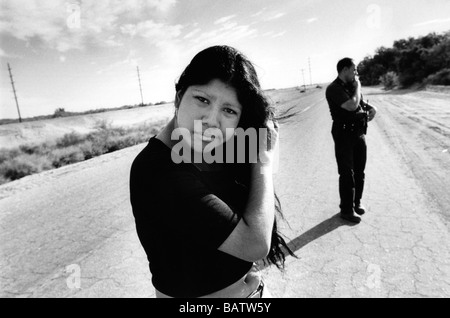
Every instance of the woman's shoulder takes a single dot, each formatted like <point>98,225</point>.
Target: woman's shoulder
<point>155,155</point>
<point>155,161</point>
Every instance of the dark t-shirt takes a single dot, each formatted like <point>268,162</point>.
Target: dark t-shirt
<point>182,216</point>
<point>338,93</point>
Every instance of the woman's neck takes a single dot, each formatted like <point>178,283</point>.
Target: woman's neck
<point>166,137</point>
<point>165,134</point>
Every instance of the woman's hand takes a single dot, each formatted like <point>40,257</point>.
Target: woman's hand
<point>268,142</point>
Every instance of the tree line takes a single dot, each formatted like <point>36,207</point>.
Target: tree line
<point>422,60</point>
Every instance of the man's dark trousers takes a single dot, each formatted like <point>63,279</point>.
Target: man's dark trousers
<point>351,155</point>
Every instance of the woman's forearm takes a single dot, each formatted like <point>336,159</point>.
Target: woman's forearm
<point>260,211</point>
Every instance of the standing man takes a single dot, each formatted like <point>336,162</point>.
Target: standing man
<point>350,115</point>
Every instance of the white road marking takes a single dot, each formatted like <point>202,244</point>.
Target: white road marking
<point>305,109</point>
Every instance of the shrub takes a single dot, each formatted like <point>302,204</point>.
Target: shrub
<point>440,78</point>
<point>23,165</point>
<point>8,154</point>
<point>65,156</point>
<point>3,179</point>
<point>389,80</point>
<point>71,148</point>
<point>88,150</point>
<point>59,112</point>
<point>35,148</point>
<point>102,125</point>
<point>70,139</point>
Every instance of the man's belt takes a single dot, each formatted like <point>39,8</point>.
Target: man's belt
<point>359,126</point>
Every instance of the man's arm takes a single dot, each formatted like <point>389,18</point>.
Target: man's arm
<point>353,103</point>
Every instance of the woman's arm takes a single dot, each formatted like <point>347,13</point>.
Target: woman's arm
<point>251,238</point>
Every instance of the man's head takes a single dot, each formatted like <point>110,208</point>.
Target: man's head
<point>347,70</point>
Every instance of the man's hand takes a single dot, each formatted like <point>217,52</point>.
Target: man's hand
<point>356,83</point>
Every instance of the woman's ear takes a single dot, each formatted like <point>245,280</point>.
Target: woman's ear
<point>178,97</point>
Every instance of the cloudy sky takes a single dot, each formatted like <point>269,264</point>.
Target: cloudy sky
<point>81,55</point>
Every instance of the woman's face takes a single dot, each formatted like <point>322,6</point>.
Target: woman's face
<point>210,113</point>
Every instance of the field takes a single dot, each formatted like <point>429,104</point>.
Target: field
<point>34,132</point>
<point>35,146</point>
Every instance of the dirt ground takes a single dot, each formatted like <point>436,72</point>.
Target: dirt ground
<point>417,125</point>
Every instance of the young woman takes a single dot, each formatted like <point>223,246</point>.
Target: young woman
<point>205,224</point>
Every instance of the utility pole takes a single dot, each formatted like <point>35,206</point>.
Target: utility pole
<point>310,76</point>
<point>14,90</point>
<point>303,75</point>
<point>140,87</point>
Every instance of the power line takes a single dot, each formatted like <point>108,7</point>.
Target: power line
<point>140,87</point>
<point>14,90</point>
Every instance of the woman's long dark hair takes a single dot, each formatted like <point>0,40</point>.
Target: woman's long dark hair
<point>233,68</point>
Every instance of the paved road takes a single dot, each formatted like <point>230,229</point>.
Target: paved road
<point>70,232</point>
<point>402,247</point>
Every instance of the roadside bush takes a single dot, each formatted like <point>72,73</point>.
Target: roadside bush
<point>71,148</point>
<point>88,150</point>
<point>39,149</point>
<point>102,125</point>
<point>8,154</point>
<point>389,80</point>
<point>440,78</point>
<point>66,156</point>
<point>114,143</point>
<point>23,165</point>
<point>3,179</point>
<point>70,139</point>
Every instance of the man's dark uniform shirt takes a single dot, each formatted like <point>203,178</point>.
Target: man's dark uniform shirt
<point>338,93</point>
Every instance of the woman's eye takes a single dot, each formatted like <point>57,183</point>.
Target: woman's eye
<point>201,99</point>
<point>230,111</point>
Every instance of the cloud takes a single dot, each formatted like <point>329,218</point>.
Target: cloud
<point>275,16</point>
<point>311,20</point>
<point>437,21</point>
<point>272,34</point>
<point>131,60</point>
<point>68,25</point>
<point>257,14</point>
<point>25,19</point>
<point>227,33</point>
<point>162,5</point>
<point>192,33</point>
<point>224,19</point>
<point>6,54</point>
<point>155,33</point>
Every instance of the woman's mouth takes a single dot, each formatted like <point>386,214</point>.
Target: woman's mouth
<point>205,138</point>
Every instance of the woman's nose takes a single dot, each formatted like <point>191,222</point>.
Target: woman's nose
<point>211,117</point>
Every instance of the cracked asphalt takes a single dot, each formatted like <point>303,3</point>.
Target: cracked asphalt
<point>70,232</point>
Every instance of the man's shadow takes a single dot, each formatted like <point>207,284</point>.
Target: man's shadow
<point>314,233</point>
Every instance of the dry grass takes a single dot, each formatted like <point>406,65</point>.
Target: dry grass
<point>28,159</point>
